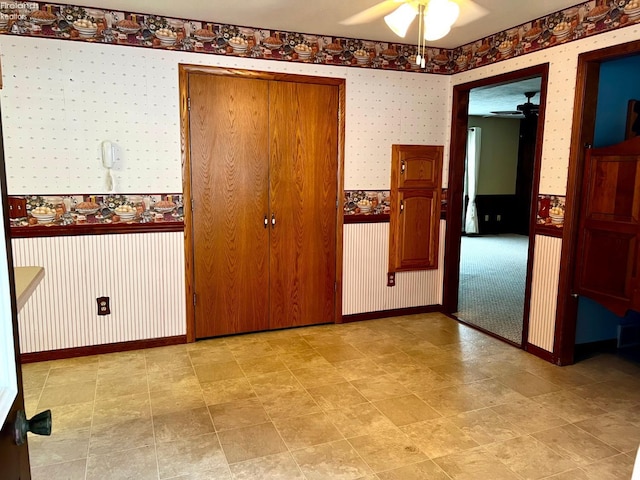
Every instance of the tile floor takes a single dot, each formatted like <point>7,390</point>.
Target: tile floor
<point>419,397</point>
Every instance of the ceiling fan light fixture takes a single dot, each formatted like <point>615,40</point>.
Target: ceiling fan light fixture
<point>400,19</point>
<point>442,11</point>
<point>435,30</point>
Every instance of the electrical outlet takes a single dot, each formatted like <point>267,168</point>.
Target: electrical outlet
<point>103,306</point>
<point>391,279</point>
<point>498,218</point>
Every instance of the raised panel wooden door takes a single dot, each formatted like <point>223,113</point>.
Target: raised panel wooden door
<point>419,165</point>
<point>303,190</point>
<point>229,174</point>
<point>416,223</point>
<point>609,227</point>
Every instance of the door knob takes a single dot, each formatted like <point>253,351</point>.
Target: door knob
<point>39,424</point>
<point>266,222</point>
<point>273,219</point>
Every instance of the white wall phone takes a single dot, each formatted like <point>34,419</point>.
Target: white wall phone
<point>108,157</point>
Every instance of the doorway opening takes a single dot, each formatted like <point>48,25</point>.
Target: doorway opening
<point>493,181</point>
<point>574,324</point>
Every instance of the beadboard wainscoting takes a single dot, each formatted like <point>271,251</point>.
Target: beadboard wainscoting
<point>142,274</point>
<point>544,292</point>
<point>366,263</point>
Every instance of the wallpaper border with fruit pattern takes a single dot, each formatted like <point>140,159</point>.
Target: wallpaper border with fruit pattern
<point>63,21</point>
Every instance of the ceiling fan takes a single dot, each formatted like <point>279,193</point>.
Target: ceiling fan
<point>469,11</point>
<point>526,110</point>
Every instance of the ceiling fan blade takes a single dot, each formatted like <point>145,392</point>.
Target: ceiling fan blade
<point>507,112</point>
<point>469,12</point>
<point>372,13</point>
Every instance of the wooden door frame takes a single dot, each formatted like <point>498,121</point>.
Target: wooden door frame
<point>457,152</point>
<point>582,133</point>
<point>184,70</point>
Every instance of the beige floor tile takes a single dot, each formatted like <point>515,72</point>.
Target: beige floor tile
<point>183,424</point>
<point>121,435</point>
<point>358,368</point>
<point>530,458</point>
<point>281,466</point>
<point>380,388</point>
<point>67,395</point>
<point>123,408</point>
<point>35,367</point>
<point>31,399</point>
<point>168,360</point>
<point>225,391</point>
<point>576,444</point>
<point>339,352</point>
<point>307,430</point>
<point>614,429</point>
<point>438,437</point>
<point>338,395</point>
<point>247,443</point>
<point>406,410</point>
<point>306,358</point>
<point>60,447</point>
<point>274,382</point>
<point>459,372</point>
<point>72,417</point>
<point>213,372</point>
<point>387,450</point>
<point>289,345</point>
<point>574,474</point>
<point>122,366</point>
<point>252,349</point>
<point>528,384</point>
<point>241,413</point>
<point>218,354</point>
<point>418,471</point>
<point>221,473</point>
<point>454,400</point>
<point>190,456</point>
<point>486,426</point>
<point>493,392</point>
<point>140,464</point>
<point>74,470</point>
<point>289,404</point>
<point>528,416</point>
<point>474,465</point>
<point>563,376</point>
<point>612,468</point>
<point>568,406</point>
<point>261,365</point>
<point>310,377</point>
<point>67,375</point>
<point>610,396</point>
<point>396,361</point>
<point>376,348</point>
<point>361,419</point>
<point>184,378</point>
<point>35,379</point>
<point>71,362</point>
<point>175,400</point>
<point>115,386</point>
<point>336,460</point>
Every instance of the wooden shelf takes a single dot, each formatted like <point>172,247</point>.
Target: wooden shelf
<point>35,231</point>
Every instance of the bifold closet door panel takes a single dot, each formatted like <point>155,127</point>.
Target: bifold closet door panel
<point>230,171</point>
<point>303,189</point>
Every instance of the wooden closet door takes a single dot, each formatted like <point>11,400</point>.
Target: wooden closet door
<point>229,164</point>
<point>303,120</point>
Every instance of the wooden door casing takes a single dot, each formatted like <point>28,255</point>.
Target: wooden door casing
<point>229,184</point>
<point>607,261</point>
<point>303,191</point>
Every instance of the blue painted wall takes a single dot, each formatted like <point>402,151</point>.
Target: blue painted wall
<point>619,83</point>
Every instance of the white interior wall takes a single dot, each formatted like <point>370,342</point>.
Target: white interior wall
<point>61,99</point>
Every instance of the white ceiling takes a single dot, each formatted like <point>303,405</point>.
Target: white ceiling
<point>324,16</point>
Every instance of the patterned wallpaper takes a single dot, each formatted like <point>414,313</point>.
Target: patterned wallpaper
<point>62,99</point>
<point>563,60</point>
